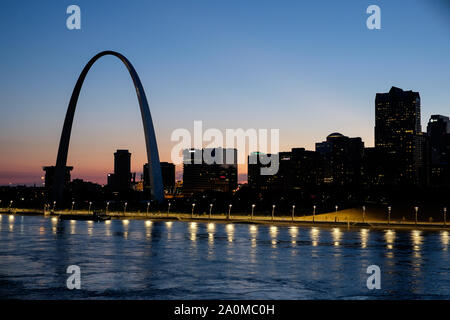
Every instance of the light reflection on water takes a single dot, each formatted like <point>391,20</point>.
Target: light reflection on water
<point>364,233</point>
<point>253,230</point>
<point>389,236</point>
<point>166,260</point>
<point>444,239</point>
<point>315,236</point>
<point>193,231</point>
<point>211,229</point>
<point>294,233</point>
<point>230,232</point>
<point>337,234</point>
<point>273,235</point>
<point>417,239</point>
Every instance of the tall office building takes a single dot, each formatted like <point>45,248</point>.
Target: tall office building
<point>168,177</point>
<point>398,135</point>
<point>342,159</point>
<point>200,175</point>
<point>438,131</point>
<point>120,180</point>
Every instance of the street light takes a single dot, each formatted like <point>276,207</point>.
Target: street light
<point>90,204</point>
<point>336,207</point>
<point>293,211</point>
<point>168,209</point>
<point>148,206</point>
<point>364,212</point>
<point>445,216</point>
<point>416,209</point>
<point>73,203</point>
<point>210,209</point>
<point>54,203</point>
<point>107,205</point>
<point>192,212</point>
<point>273,212</point>
<point>10,204</point>
<point>229,211</point>
<point>314,213</point>
<point>389,214</point>
<point>125,208</point>
<point>253,209</point>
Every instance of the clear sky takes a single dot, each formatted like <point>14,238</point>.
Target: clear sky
<point>308,68</point>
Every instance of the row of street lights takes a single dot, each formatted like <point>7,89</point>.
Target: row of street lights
<point>416,210</point>
<point>252,211</point>
<point>192,212</point>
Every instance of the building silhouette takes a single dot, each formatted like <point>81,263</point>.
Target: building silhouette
<point>438,132</point>
<point>200,175</point>
<point>50,174</point>
<point>341,159</point>
<point>377,168</point>
<point>297,169</point>
<point>399,137</point>
<point>168,177</point>
<point>120,180</point>
<point>258,181</point>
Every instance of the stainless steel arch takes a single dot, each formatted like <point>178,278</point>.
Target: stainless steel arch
<point>150,138</point>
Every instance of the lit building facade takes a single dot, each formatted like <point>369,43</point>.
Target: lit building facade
<point>398,136</point>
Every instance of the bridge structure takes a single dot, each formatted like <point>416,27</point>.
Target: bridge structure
<point>149,132</point>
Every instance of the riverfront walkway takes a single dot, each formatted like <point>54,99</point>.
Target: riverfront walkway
<point>351,218</point>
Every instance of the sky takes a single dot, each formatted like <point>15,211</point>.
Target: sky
<point>307,68</point>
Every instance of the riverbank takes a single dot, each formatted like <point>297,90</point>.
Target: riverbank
<point>351,218</point>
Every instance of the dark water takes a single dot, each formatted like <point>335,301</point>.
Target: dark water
<point>180,260</point>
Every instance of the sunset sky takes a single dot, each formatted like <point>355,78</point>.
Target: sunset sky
<point>306,68</point>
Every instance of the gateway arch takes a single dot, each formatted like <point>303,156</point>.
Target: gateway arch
<point>150,138</point>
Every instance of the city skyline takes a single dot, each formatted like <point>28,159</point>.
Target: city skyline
<point>179,168</point>
<point>233,65</point>
<point>395,117</point>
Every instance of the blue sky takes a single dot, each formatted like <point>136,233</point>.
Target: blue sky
<point>307,68</point>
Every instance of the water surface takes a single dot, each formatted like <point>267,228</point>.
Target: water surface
<point>136,259</point>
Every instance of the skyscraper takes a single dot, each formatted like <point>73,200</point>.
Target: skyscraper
<point>200,176</point>
<point>438,131</point>
<point>120,180</point>
<point>342,159</point>
<point>398,135</point>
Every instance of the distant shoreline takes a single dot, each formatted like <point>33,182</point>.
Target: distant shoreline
<point>321,220</point>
